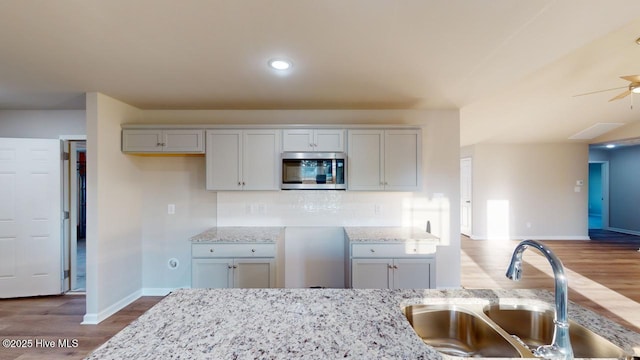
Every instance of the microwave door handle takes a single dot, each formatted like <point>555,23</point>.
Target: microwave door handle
<point>333,171</point>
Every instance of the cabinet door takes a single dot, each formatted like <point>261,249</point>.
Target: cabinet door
<point>183,141</point>
<point>371,273</point>
<point>297,140</point>
<point>328,140</point>
<point>403,160</point>
<point>211,273</point>
<point>224,156</point>
<point>261,160</point>
<point>254,273</point>
<point>366,159</point>
<point>142,140</point>
<point>412,274</point>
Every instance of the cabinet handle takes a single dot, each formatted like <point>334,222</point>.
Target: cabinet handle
<point>211,250</point>
<point>230,267</point>
<point>395,266</point>
<point>389,266</point>
<point>372,250</point>
<point>235,266</point>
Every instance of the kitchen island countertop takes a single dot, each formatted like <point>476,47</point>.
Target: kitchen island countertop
<point>309,323</point>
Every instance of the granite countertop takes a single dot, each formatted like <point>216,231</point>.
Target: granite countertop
<point>243,234</point>
<point>389,234</point>
<point>309,323</point>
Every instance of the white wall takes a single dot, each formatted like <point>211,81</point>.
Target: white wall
<point>528,191</point>
<point>43,124</point>
<point>114,211</point>
<point>177,180</point>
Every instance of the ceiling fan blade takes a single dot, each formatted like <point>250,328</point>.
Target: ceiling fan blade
<point>599,91</point>
<point>620,96</point>
<point>632,78</point>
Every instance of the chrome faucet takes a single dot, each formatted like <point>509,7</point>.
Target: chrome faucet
<point>560,347</point>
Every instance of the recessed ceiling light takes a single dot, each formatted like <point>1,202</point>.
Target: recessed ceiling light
<point>280,64</point>
<point>610,146</point>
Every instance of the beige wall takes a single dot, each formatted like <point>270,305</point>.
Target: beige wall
<point>43,124</point>
<point>114,216</point>
<point>529,191</point>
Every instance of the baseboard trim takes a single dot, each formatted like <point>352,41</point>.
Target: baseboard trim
<point>97,318</point>
<point>157,291</point>
<point>624,231</point>
<point>538,237</point>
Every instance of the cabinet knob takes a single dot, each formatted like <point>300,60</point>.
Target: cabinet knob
<point>211,250</point>
<point>235,266</point>
<point>253,250</point>
<point>389,266</point>
<point>239,183</point>
<point>372,250</point>
<point>395,266</point>
<point>230,266</point>
<point>415,250</point>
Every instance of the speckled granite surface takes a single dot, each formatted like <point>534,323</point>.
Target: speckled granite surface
<point>308,323</point>
<point>389,234</point>
<point>242,234</point>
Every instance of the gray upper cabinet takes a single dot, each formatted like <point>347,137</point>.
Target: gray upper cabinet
<point>388,160</point>
<point>243,159</point>
<point>320,140</point>
<point>173,141</point>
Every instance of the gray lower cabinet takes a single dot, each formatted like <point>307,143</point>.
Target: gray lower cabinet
<point>391,266</point>
<point>233,265</point>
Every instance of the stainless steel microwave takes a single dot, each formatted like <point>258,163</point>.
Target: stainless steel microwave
<point>314,171</point>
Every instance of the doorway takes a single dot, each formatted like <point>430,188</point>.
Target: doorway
<point>598,195</point>
<point>466,185</point>
<point>75,196</point>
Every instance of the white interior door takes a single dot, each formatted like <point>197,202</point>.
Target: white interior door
<point>465,196</point>
<point>30,221</point>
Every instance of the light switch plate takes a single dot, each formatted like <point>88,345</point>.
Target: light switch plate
<point>171,209</point>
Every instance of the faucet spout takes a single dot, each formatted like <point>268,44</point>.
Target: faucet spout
<point>560,348</point>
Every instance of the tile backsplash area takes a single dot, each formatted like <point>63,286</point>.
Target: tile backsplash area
<point>317,208</point>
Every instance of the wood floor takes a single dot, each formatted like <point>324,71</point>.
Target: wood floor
<point>603,276</point>
<point>58,318</point>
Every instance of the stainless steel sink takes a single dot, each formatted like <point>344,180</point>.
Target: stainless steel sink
<point>534,327</point>
<point>458,332</point>
<point>499,331</point>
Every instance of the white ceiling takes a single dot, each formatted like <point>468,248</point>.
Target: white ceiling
<point>511,67</point>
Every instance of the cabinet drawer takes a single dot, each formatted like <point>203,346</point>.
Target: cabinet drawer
<point>233,250</point>
<point>409,249</point>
